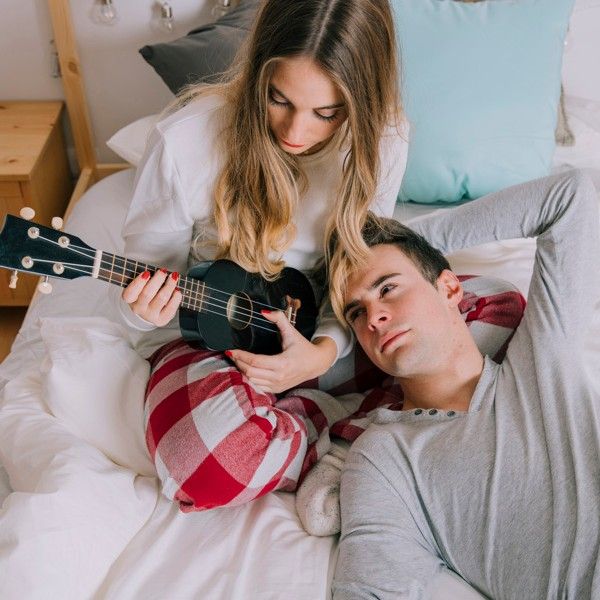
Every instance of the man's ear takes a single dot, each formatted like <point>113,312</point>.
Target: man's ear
<point>450,286</point>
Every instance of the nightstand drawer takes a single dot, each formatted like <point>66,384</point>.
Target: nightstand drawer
<point>10,189</point>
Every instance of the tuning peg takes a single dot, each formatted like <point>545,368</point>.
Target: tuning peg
<point>45,287</point>
<point>27,213</point>
<point>57,222</point>
<point>13,280</point>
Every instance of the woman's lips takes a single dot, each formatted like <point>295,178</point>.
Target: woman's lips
<point>391,338</point>
<point>291,145</point>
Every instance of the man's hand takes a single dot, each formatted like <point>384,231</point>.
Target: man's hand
<point>299,361</point>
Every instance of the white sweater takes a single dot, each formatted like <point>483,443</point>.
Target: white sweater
<point>173,200</point>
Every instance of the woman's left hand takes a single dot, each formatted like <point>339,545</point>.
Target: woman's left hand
<point>299,361</point>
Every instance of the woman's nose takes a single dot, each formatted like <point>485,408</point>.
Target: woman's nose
<point>294,130</point>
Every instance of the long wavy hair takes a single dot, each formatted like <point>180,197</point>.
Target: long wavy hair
<point>257,191</point>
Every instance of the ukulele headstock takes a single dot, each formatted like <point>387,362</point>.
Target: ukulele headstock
<point>33,248</point>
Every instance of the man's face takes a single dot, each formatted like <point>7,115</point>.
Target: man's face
<point>402,321</point>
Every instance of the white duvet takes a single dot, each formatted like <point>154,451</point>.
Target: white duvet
<point>86,519</point>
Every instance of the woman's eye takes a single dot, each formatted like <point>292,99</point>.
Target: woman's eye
<point>328,118</point>
<point>277,100</point>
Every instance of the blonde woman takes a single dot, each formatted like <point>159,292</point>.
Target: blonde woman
<point>300,140</point>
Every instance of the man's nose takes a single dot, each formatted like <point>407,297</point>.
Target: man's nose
<point>376,317</point>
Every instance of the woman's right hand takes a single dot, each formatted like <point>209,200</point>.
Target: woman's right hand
<point>154,298</point>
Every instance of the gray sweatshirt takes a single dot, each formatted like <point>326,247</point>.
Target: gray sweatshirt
<point>506,494</point>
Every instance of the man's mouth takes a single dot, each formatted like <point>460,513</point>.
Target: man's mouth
<point>390,339</point>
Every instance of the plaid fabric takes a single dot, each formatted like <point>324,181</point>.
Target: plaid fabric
<point>217,440</point>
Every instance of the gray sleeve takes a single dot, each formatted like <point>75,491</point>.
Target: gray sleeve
<point>382,553</point>
<point>562,211</point>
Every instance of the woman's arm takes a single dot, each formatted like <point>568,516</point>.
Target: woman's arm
<point>157,230</point>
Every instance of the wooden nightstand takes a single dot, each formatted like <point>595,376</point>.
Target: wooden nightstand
<point>34,172</point>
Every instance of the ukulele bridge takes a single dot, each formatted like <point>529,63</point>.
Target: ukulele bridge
<point>291,310</point>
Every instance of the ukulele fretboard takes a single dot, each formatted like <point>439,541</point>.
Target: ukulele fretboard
<point>122,271</point>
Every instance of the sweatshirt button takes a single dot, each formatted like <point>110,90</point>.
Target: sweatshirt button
<point>433,411</point>
<point>418,411</point>
<point>451,413</point>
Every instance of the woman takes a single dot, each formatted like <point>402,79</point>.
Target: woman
<point>299,141</point>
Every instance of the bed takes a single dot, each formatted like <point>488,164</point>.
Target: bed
<point>77,487</point>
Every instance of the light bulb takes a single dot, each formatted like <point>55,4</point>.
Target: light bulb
<point>104,12</point>
<point>166,17</point>
<point>221,8</point>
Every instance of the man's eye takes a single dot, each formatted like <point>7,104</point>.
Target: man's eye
<point>386,288</point>
<point>354,314</point>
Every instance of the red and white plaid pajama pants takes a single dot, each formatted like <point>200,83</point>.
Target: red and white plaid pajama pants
<point>217,441</point>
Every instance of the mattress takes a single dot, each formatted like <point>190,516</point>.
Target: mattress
<point>87,519</point>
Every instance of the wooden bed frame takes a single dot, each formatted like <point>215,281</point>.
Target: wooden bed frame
<point>66,45</point>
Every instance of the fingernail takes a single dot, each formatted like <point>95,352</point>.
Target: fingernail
<point>163,271</point>
<point>175,276</point>
<point>264,311</point>
<point>228,353</point>
<point>146,275</point>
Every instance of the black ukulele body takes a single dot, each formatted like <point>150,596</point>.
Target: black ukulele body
<point>232,298</point>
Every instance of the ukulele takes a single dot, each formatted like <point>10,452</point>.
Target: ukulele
<point>221,303</point>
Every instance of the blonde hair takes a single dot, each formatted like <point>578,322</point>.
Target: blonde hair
<point>258,188</point>
<point>376,231</point>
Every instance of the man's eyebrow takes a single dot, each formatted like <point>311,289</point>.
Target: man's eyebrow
<point>330,107</point>
<point>375,284</point>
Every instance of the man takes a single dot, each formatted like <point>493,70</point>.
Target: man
<point>491,471</point>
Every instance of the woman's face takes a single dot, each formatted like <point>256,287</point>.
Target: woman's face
<point>305,107</point>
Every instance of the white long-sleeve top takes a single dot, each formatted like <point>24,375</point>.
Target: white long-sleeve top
<point>172,201</point>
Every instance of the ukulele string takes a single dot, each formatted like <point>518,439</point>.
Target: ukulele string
<point>214,312</point>
<point>126,271</point>
<point>86,270</point>
<point>131,272</point>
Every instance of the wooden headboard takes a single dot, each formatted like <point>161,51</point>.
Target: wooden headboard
<point>90,170</point>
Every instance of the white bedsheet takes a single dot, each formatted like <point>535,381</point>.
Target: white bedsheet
<point>86,519</point>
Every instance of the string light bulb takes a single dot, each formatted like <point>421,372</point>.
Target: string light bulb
<point>166,17</point>
<point>221,8</point>
<point>104,12</point>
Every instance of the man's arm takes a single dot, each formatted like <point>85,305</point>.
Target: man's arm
<point>383,554</point>
<point>562,211</point>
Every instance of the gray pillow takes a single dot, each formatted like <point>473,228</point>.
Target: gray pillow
<point>204,53</point>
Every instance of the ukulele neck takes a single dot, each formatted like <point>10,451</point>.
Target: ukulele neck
<point>122,271</point>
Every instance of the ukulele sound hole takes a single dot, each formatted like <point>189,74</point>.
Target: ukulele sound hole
<point>239,311</point>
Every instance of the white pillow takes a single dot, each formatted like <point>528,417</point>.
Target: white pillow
<point>130,141</point>
<point>94,384</point>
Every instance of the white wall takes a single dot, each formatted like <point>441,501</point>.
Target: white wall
<point>581,73</point>
<point>122,87</point>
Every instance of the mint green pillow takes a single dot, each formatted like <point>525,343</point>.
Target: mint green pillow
<point>481,87</point>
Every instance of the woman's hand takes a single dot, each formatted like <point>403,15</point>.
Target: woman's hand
<point>299,361</point>
<point>155,299</point>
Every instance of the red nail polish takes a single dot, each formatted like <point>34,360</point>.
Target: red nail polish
<point>228,353</point>
<point>264,311</point>
<point>175,276</point>
<point>146,275</point>
<point>163,271</point>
